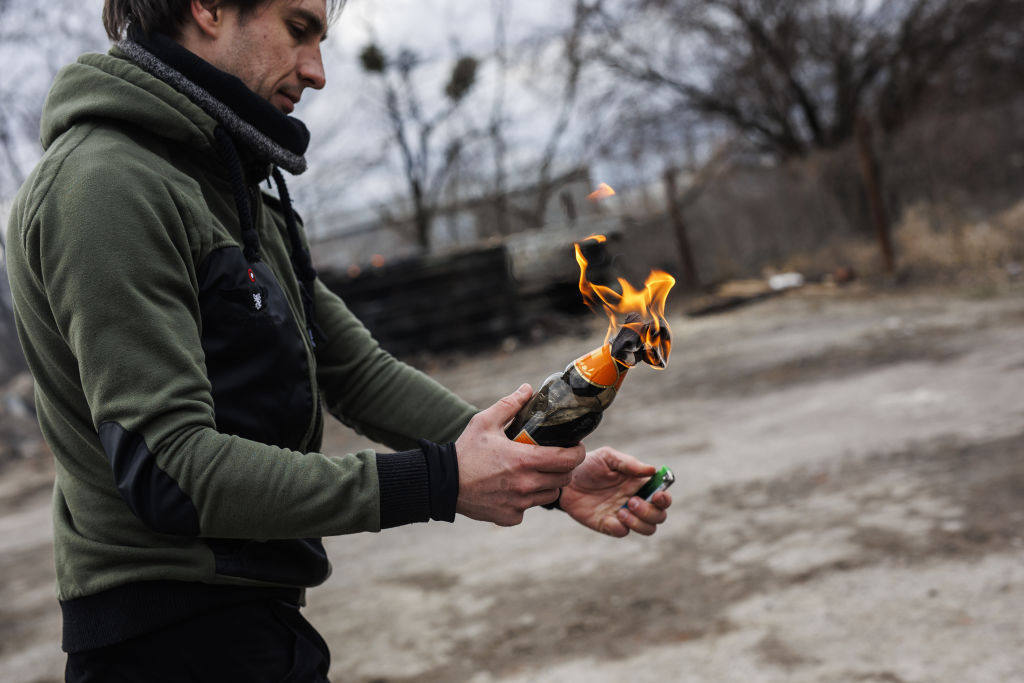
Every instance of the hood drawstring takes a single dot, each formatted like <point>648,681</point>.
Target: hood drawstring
<point>229,155</point>
<point>301,263</point>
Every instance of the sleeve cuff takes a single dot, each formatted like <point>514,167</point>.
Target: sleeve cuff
<point>418,485</point>
<point>443,473</point>
<point>404,488</point>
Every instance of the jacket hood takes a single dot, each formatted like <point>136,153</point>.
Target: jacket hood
<point>110,87</point>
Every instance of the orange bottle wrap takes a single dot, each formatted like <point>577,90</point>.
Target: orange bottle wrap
<point>600,369</point>
<point>524,437</point>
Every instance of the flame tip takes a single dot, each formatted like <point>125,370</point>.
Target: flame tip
<point>603,191</point>
<point>648,302</point>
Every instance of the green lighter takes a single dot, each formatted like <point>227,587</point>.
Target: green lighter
<point>661,480</point>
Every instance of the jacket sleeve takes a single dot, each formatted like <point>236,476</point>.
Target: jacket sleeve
<point>375,394</point>
<point>116,256</point>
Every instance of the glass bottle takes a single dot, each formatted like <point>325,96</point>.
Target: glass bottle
<point>569,405</point>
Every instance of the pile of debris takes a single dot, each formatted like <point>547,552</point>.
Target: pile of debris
<point>734,293</point>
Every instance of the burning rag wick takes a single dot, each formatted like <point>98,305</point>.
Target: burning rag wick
<point>647,303</point>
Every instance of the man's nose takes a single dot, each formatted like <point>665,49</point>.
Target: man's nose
<point>311,69</point>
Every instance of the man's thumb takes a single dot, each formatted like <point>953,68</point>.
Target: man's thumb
<point>506,408</point>
<point>627,464</point>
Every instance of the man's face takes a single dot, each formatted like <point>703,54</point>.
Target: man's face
<point>275,49</point>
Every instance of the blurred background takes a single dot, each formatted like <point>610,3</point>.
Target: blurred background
<point>740,137</point>
<point>850,432</point>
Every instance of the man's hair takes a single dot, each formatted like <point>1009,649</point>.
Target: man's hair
<point>169,16</point>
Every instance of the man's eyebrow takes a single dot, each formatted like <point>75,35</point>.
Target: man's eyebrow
<point>316,24</point>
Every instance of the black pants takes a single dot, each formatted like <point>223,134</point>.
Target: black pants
<point>250,643</point>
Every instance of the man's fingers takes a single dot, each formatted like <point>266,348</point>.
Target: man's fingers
<point>504,409</point>
<point>613,527</point>
<point>544,481</point>
<point>634,523</point>
<point>627,464</point>
<point>509,518</point>
<point>645,511</point>
<point>549,459</point>
<point>545,497</point>
<point>662,499</point>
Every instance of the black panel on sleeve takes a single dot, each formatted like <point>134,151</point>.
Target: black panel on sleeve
<point>151,493</point>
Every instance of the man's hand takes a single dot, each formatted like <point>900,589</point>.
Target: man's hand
<point>602,484</point>
<point>499,478</point>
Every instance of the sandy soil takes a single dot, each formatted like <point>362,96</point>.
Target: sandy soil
<point>850,507</point>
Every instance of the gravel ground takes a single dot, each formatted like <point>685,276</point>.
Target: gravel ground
<point>850,507</point>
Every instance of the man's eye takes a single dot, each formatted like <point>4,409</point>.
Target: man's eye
<point>297,30</point>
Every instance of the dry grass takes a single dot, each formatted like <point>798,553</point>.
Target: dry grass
<point>935,243</point>
<point>933,237</point>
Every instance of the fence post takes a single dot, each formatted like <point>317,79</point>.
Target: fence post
<point>869,171</point>
<point>675,212</point>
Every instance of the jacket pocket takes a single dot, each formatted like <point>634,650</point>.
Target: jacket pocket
<point>295,562</point>
<point>256,359</point>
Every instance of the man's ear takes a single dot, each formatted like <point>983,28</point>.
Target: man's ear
<point>208,16</point>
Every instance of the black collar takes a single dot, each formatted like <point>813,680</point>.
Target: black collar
<point>287,131</point>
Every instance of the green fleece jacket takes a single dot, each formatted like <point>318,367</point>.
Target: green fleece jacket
<point>109,238</point>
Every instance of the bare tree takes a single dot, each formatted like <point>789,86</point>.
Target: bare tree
<point>794,75</point>
<point>551,65</point>
<point>412,130</point>
<point>496,122</point>
<point>574,57</point>
<point>700,177</point>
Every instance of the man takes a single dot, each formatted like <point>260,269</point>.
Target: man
<point>181,341</point>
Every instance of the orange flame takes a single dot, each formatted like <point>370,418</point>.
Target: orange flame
<point>603,191</point>
<point>648,302</point>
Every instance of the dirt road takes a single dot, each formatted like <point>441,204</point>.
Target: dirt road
<point>850,507</point>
